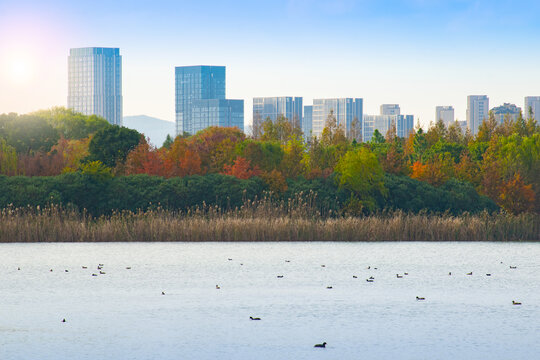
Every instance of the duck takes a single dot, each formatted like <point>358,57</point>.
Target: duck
<point>405,273</point>
<point>355,277</point>
<point>94,274</point>
<point>85,267</point>
<point>515,302</point>
<point>369,267</point>
<point>450,273</point>
<point>469,273</point>
<point>66,270</point>
<point>128,267</point>
<point>254,318</point>
<point>287,261</point>
<point>102,272</point>
<point>323,265</point>
<point>18,268</point>
<point>323,345</point>
<point>63,320</point>
<point>399,276</point>
<point>488,274</point>
<point>418,298</point>
<point>229,259</point>
<point>329,287</point>
<point>163,293</point>
<point>217,287</point>
<point>369,280</point>
<point>513,267</point>
<point>280,276</point>
<point>51,270</point>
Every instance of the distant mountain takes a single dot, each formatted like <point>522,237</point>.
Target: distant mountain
<point>153,128</point>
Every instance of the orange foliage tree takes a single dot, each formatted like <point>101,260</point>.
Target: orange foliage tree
<point>515,196</point>
<point>241,168</point>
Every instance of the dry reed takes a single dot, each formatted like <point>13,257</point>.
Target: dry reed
<point>259,220</point>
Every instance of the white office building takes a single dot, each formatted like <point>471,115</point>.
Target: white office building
<point>445,113</point>
<point>477,111</point>
<point>532,103</point>
<point>390,109</point>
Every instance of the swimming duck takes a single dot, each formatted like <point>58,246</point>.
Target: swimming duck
<point>329,287</point>
<point>254,318</point>
<point>515,303</point>
<point>217,287</point>
<point>513,267</point>
<point>488,274</point>
<point>405,273</point>
<point>66,270</point>
<point>163,293</point>
<point>85,267</point>
<point>420,298</point>
<point>128,267</point>
<point>63,320</point>
<point>323,345</point>
<point>399,276</point>
<point>369,280</point>
<point>355,277</point>
<point>94,274</point>
<point>469,273</point>
<point>102,272</point>
<point>280,276</point>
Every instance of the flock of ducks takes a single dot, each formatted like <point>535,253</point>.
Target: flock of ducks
<point>252,318</point>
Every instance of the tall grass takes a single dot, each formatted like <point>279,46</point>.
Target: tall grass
<point>259,220</point>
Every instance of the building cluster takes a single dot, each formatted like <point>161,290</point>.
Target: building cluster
<point>95,87</point>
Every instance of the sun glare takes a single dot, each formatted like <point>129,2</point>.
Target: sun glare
<point>20,71</point>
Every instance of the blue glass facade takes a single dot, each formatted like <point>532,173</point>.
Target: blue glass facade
<point>217,112</point>
<point>307,121</point>
<point>273,107</point>
<point>194,83</point>
<point>95,82</point>
<point>404,125</point>
<point>345,110</point>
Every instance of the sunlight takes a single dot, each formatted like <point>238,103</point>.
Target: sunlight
<point>20,70</point>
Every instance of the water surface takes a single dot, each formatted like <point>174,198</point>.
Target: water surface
<point>122,314</point>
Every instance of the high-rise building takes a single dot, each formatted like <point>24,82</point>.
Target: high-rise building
<point>477,111</point>
<point>95,82</point>
<point>346,111</point>
<point>404,125</point>
<point>390,109</point>
<point>445,113</point>
<point>273,107</point>
<point>532,104</point>
<point>195,86</point>
<point>307,121</point>
<point>504,111</point>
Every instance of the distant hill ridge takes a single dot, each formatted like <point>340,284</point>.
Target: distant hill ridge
<point>153,128</point>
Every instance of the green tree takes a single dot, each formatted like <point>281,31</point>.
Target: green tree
<point>168,142</point>
<point>111,145</point>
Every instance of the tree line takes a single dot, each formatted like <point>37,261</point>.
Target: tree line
<point>64,157</point>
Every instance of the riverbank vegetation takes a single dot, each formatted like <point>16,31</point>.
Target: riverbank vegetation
<point>259,221</point>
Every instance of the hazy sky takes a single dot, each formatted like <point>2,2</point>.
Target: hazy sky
<point>418,53</point>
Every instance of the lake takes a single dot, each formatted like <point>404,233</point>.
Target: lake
<point>122,314</point>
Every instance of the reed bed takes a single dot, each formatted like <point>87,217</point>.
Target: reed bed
<point>258,221</point>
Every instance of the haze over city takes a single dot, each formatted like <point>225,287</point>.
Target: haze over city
<point>416,53</point>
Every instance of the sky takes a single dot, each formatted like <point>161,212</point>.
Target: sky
<point>417,53</point>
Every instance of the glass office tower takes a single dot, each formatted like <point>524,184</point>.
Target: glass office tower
<point>193,83</point>
<point>273,107</point>
<point>345,110</point>
<point>307,121</point>
<point>477,111</point>
<point>217,112</point>
<point>404,125</point>
<point>95,82</point>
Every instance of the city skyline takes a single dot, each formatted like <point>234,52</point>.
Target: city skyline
<point>439,63</point>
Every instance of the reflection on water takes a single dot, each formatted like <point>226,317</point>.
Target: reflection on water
<point>122,314</point>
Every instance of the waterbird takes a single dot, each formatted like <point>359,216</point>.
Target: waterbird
<point>94,274</point>
<point>102,272</point>
<point>229,259</point>
<point>405,273</point>
<point>513,267</point>
<point>450,273</point>
<point>369,280</point>
<point>128,267</point>
<point>85,267</point>
<point>18,268</point>
<point>163,293</point>
<point>329,287</point>
<point>254,318</point>
<point>280,276</point>
<point>323,345</point>
<point>515,302</point>
<point>355,277</point>
<point>287,260</point>
<point>63,320</point>
<point>488,274</point>
<point>420,298</point>
<point>323,265</point>
<point>66,270</point>
<point>399,276</point>
<point>217,287</point>
<point>469,273</point>
<point>50,270</point>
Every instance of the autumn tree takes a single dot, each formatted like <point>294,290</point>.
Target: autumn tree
<point>516,196</point>
<point>241,168</point>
